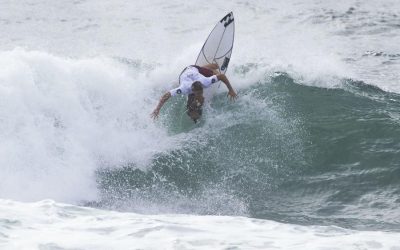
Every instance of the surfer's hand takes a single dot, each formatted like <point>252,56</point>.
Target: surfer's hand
<point>232,95</point>
<point>155,113</point>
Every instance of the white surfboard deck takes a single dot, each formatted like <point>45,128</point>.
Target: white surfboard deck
<point>218,49</point>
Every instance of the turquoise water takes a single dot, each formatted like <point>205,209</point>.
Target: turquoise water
<point>284,152</point>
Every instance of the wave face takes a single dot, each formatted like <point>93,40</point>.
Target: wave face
<point>283,151</point>
<point>312,140</point>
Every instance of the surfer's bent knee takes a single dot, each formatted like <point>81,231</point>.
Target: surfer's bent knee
<point>214,66</point>
<point>221,76</point>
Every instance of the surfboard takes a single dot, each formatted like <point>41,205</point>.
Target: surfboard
<point>218,48</point>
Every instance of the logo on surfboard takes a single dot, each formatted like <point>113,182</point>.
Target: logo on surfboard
<point>228,19</point>
<point>225,64</point>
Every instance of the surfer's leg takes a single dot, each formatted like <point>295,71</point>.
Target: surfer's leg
<point>213,67</point>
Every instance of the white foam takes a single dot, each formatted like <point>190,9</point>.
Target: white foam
<point>61,119</point>
<point>50,225</point>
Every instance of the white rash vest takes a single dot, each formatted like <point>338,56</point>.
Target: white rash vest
<point>188,77</point>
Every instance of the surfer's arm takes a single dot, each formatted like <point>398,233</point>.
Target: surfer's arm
<point>163,99</point>
<point>231,92</point>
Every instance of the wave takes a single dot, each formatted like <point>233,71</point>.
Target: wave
<point>289,150</point>
<point>63,118</point>
<point>283,151</point>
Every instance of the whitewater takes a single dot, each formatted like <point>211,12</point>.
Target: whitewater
<point>306,158</point>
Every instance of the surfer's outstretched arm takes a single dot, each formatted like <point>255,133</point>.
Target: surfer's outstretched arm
<point>231,92</point>
<point>163,99</point>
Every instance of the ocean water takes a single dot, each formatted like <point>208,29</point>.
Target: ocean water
<point>308,157</point>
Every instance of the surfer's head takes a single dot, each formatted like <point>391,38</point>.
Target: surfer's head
<point>197,88</point>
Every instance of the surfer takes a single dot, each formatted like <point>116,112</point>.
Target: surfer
<point>192,81</point>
